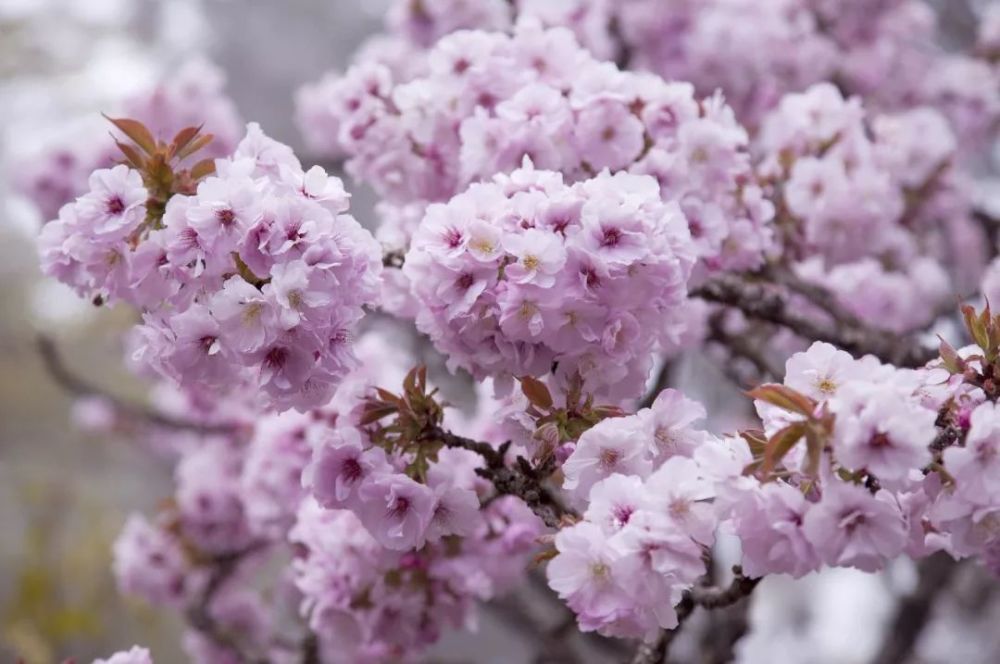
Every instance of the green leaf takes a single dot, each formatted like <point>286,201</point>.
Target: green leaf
<point>976,327</point>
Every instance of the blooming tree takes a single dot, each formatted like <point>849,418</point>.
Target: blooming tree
<point>572,196</point>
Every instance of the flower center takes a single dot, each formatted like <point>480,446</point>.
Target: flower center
<point>609,458</point>
<point>826,385</point>
<point>399,507</point>
<point>115,205</point>
<point>351,470</point>
<point>226,217</point>
<point>611,237</point>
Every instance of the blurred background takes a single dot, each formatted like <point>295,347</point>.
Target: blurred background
<point>64,494</point>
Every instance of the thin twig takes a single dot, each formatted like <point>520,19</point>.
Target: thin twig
<point>816,294</point>
<point>80,387</point>
<point>764,300</point>
<point>521,480</point>
<point>199,613</point>
<point>740,345</point>
<point>724,630</point>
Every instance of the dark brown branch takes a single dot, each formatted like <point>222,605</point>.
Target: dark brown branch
<point>764,300</point>
<point>914,611</point>
<point>817,295</point>
<point>713,597</point>
<point>310,649</point>
<point>655,651</point>
<point>725,629</point>
<point>522,480</point>
<point>709,597</point>
<point>80,387</point>
<point>556,648</point>
<point>741,346</point>
<point>393,259</point>
<point>199,614</point>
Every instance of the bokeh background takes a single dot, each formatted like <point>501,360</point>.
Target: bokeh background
<point>64,494</point>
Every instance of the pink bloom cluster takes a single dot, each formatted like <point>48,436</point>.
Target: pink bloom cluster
<point>490,100</point>
<point>844,181</point>
<point>874,48</point>
<point>191,96</point>
<point>258,278</point>
<point>873,499</point>
<point>380,569</point>
<point>771,48</point>
<point>524,272</point>
<point>369,603</point>
<point>149,562</point>
<point>872,199</point>
<point>399,512</point>
<point>648,482</point>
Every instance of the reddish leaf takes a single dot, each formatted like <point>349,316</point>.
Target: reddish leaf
<point>780,443</point>
<point>388,397</point>
<point>815,444</point>
<point>950,357</point>
<point>536,392</point>
<point>410,382</point>
<point>194,146</point>
<point>785,398</point>
<point>136,131</point>
<point>756,440</point>
<point>183,137</point>
<point>132,156</point>
<point>376,413</point>
<point>202,169</point>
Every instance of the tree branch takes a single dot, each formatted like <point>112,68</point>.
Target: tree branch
<point>741,346</point>
<point>199,614</point>
<point>914,611</point>
<point>80,387</point>
<point>709,597</point>
<point>522,480</point>
<point>713,597</point>
<point>764,300</point>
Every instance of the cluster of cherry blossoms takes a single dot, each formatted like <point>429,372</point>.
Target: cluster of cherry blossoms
<point>382,564</point>
<point>571,195</point>
<point>884,51</point>
<point>247,269</point>
<point>871,199</point>
<point>489,100</point>
<point>524,273</point>
<point>646,482</point>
